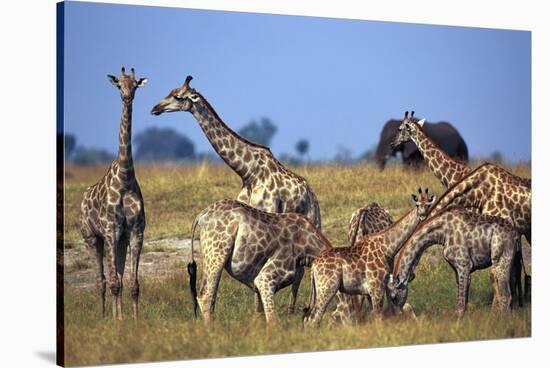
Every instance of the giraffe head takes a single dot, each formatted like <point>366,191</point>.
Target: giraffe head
<point>423,203</point>
<point>407,130</point>
<point>179,99</point>
<point>127,83</point>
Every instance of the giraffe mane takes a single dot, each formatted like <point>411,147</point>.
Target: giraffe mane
<point>235,134</point>
<point>415,122</point>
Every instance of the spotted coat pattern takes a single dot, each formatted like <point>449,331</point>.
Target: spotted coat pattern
<point>448,170</point>
<point>470,242</point>
<point>112,215</point>
<point>267,184</point>
<point>262,250</point>
<point>366,220</point>
<point>362,269</point>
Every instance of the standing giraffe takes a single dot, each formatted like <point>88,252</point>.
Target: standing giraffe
<point>470,242</point>
<point>445,168</point>
<point>504,188</point>
<point>112,212</point>
<point>366,220</point>
<point>364,268</point>
<point>266,183</point>
<point>265,251</point>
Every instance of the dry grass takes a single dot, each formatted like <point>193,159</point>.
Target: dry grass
<point>175,194</point>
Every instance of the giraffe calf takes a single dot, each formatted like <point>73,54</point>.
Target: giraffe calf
<point>265,251</point>
<point>470,242</point>
<point>366,220</point>
<point>362,269</point>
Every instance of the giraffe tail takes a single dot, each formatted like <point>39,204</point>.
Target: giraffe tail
<point>309,309</point>
<point>192,268</point>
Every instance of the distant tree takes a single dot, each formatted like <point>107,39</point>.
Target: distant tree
<point>302,147</point>
<point>158,144</point>
<point>369,155</point>
<point>343,156</point>
<point>260,133</point>
<point>92,156</point>
<point>70,144</point>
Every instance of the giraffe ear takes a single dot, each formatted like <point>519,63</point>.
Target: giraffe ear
<point>113,80</point>
<point>421,122</point>
<point>141,82</point>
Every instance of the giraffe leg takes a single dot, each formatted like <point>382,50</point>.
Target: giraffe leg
<point>266,282</point>
<point>214,262</point>
<point>96,247</point>
<point>258,303</point>
<point>515,281</point>
<point>136,244</point>
<point>326,288</point>
<point>503,268</point>
<point>527,284</point>
<point>503,284</point>
<point>120,263</point>
<point>294,291</point>
<point>495,288</point>
<point>114,281</point>
<point>377,300</point>
<point>464,279</point>
<point>344,312</point>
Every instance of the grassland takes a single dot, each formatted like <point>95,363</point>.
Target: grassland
<point>166,330</point>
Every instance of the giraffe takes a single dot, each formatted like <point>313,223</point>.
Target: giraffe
<point>266,183</point>
<point>369,219</point>
<point>450,172</point>
<point>470,242</point>
<point>364,268</point>
<point>265,251</point>
<point>445,168</point>
<point>491,190</point>
<point>112,212</point>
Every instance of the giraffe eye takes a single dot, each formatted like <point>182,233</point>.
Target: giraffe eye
<point>178,97</point>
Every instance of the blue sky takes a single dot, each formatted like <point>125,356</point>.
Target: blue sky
<point>334,82</point>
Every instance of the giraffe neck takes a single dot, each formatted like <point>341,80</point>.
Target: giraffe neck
<point>398,232</point>
<point>125,161</point>
<point>447,170</point>
<point>430,233</point>
<point>233,149</point>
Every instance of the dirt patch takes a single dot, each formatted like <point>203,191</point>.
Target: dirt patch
<point>159,259</point>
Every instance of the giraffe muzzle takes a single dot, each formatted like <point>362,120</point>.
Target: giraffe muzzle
<point>157,110</point>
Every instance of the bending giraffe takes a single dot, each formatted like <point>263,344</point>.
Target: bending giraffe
<point>507,195</point>
<point>491,190</point>
<point>265,251</point>
<point>266,183</point>
<point>112,213</point>
<point>364,268</point>
<point>470,242</point>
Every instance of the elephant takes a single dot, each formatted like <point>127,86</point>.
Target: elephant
<point>443,134</point>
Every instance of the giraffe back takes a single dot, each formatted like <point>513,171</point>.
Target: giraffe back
<point>369,219</point>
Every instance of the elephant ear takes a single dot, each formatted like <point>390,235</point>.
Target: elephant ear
<point>421,122</point>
